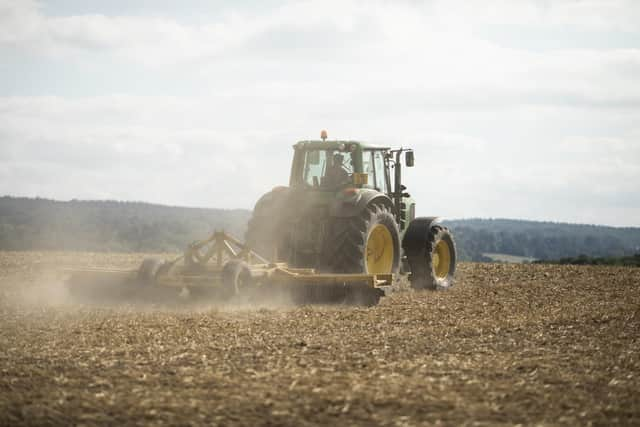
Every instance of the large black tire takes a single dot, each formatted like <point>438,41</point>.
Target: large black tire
<point>431,253</point>
<point>348,244</point>
<point>265,230</point>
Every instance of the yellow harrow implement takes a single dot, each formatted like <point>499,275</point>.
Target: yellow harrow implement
<point>223,269</point>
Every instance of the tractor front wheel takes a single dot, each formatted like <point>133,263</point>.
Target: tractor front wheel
<point>433,262</point>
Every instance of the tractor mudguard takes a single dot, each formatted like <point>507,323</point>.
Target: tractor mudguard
<point>416,235</point>
<point>353,204</point>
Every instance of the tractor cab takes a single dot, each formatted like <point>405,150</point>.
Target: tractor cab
<point>335,165</point>
<point>323,168</point>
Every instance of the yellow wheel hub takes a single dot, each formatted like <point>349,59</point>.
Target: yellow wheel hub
<point>379,250</point>
<point>441,259</point>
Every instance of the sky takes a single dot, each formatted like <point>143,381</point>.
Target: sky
<point>515,109</point>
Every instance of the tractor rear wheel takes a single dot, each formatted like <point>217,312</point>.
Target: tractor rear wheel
<point>366,243</point>
<point>432,263</point>
<point>265,230</point>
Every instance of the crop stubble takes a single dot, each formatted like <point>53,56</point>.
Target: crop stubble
<point>509,344</point>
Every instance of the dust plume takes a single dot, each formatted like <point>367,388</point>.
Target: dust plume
<point>40,280</point>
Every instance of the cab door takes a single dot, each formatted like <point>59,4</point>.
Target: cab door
<point>380,178</point>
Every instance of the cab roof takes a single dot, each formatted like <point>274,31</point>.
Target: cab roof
<point>319,144</point>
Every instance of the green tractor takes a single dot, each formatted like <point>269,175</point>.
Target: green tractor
<point>346,210</point>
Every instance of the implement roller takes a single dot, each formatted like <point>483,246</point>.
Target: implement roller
<point>223,269</point>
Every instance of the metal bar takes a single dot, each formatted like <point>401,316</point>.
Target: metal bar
<point>229,249</point>
<point>243,247</point>
<point>233,240</point>
<point>258,257</point>
<point>296,270</point>
<point>219,253</point>
<point>372,280</point>
<point>273,272</point>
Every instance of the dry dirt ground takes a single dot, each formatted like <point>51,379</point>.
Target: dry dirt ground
<point>509,344</point>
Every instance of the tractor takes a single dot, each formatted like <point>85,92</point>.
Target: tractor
<point>346,210</point>
<point>341,232</point>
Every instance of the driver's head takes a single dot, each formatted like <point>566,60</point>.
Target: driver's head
<point>338,159</point>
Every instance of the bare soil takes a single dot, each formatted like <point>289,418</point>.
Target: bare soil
<point>509,344</point>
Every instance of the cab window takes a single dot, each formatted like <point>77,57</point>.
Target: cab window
<point>327,168</point>
<point>367,167</point>
<point>380,179</point>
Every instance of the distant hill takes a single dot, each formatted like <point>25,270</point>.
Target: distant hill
<point>41,224</point>
<point>625,261</point>
<point>479,239</point>
<point>31,224</point>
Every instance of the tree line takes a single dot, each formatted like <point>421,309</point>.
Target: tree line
<point>626,261</point>
<point>112,226</point>
<point>541,240</point>
<point>42,224</point>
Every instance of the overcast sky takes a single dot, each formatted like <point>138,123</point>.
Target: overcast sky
<point>516,109</point>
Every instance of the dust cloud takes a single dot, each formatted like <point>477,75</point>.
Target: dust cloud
<point>40,280</point>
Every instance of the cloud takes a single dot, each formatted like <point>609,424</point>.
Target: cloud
<point>151,106</point>
<point>426,50</point>
<point>105,144</point>
<point>299,26</point>
<point>102,147</point>
<point>161,41</point>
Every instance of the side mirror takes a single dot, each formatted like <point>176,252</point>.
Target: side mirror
<point>408,159</point>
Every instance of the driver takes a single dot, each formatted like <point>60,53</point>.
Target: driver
<point>336,174</point>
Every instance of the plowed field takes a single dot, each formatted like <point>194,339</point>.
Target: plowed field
<point>509,344</point>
